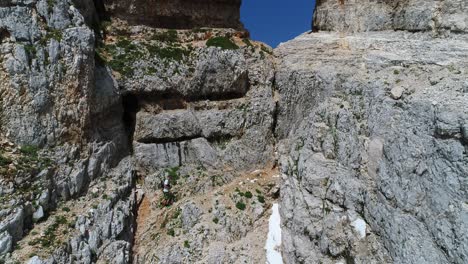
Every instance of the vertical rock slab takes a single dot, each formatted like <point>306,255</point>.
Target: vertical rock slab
<point>371,124</point>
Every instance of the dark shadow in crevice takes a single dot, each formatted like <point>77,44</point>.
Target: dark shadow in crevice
<point>130,106</point>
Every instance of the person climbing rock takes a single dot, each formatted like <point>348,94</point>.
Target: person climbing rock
<point>166,188</point>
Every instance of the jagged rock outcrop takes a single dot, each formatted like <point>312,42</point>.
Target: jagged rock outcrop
<point>94,115</point>
<point>373,154</point>
<point>180,14</point>
<point>368,121</point>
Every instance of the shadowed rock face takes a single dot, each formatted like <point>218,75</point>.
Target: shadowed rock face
<point>180,14</point>
<point>411,15</point>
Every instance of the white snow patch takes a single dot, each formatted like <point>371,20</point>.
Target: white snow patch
<point>360,227</point>
<point>273,243</point>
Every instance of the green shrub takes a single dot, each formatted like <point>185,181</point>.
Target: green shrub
<point>222,42</point>
<point>261,199</point>
<point>168,53</point>
<point>50,5</point>
<point>66,209</point>
<point>4,161</point>
<point>186,244</point>
<point>31,50</point>
<point>173,174</point>
<point>247,42</point>
<point>29,150</point>
<point>265,49</point>
<point>171,232</point>
<point>215,220</point>
<point>248,194</point>
<point>167,36</point>
<point>240,205</point>
<point>123,55</point>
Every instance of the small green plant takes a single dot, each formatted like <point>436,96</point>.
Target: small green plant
<point>396,72</point>
<point>261,198</point>
<point>173,174</point>
<point>50,5</point>
<point>262,54</point>
<point>186,244</point>
<point>31,50</point>
<point>169,36</point>
<point>258,191</point>
<point>265,49</point>
<point>248,194</point>
<point>171,232</point>
<point>215,220</point>
<point>51,34</point>
<point>241,194</point>
<point>4,161</point>
<point>29,150</point>
<point>247,42</point>
<point>120,56</point>
<point>222,42</point>
<point>168,53</point>
<point>177,213</point>
<point>240,205</point>
<point>66,209</point>
<point>61,220</point>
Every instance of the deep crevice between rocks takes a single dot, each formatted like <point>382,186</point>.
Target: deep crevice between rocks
<point>130,107</point>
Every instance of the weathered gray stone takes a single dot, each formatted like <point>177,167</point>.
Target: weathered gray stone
<point>116,252</point>
<point>6,243</point>
<point>380,160</point>
<point>397,92</point>
<point>412,15</point>
<point>35,260</point>
<point>38,214</point>
<point>190,215</point>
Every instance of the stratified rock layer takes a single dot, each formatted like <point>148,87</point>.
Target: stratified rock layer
<point>373,151</point>
<point>181,14</point>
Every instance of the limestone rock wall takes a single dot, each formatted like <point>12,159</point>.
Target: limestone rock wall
<point>182,14</point>
<point>413,15</point>
<point>94,115</point>
<point>371,124</point>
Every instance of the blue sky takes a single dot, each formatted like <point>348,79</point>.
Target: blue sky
<point>275,21</point>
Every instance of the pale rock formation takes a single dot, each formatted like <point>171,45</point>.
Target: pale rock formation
<point>372,150</point>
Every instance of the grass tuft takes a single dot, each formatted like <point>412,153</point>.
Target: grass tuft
<point>222,42</point>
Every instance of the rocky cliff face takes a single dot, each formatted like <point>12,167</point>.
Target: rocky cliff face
<point>373,126</point>
<point>362,130</point>
<point>434,16</point>
<point>95,114</point>
<point>181,14</point>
